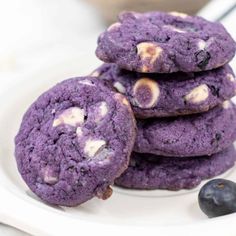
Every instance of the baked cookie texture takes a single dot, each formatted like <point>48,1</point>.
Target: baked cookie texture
<point>74,140</point>
<point>167,71</point>
<point>184,136</point>
<point>163,95</point>
<point>147,171</point>
<point>158,42</point>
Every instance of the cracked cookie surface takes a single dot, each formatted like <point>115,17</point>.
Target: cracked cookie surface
<point>74,140</point>
<point>161,42</point>
<point>184,136</point>
<point>147,171</point>
<point>163,95</point>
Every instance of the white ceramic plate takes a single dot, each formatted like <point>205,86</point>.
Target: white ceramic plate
<point>130,212</point>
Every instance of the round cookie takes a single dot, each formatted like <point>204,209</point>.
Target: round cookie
<point>74,140</point>
<point>162,95</point>
<point>165,42</point>
<point>193,135</point>
<point>147,171</point>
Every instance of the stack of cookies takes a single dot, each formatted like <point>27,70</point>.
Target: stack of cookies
<point>79,137</point>
<point>173,70</point>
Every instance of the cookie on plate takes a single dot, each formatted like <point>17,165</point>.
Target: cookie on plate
<point>165,42</point>
<point>147,171</point>
<point>193,135</point>
<point>74,140</point>
<point>162,95</point>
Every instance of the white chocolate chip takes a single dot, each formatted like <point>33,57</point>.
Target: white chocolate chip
<point>198,94</point>
<point>95,74</point>
<point>125,102</point>
<point>49,177</point>
<point>100,109</point>
<point>148,50</point>
<point>121,99</point>
<point>120,88</point>
<point>179,14</point>
<point>73,116</point>
<point>150,85</point>
<point>79,132</point>
<point>175,29</point>
<point>230,77</point>
<point>226,104</point>
<point>144,69</point>
<point>56,122</point>
<point>201,44</point>
<point>114,26</point>
<point>86,82</point>
<point>93,147</point>
<point>103,109</point>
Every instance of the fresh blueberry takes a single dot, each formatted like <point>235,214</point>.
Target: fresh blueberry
<point>218,197</point>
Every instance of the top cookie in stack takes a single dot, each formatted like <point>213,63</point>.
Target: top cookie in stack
<point>142,51</point>
<point>158,42</point>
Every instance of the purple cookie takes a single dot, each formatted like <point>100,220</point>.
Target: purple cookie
<point>165,42</point>
<point>147,171</point>
<point>159,95</point>
<point>193,135</point>
<point>74,140</point>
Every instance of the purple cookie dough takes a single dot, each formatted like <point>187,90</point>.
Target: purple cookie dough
<point>193,135</point>
<point>161,95</point>
<point>165,42</point>
<point>147,171</point>
<point>74,140</point>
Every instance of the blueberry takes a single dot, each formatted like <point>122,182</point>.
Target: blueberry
<point>215,91</point>
<point>202,58</point>
<point>218,197</point>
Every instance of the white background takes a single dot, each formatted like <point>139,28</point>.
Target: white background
<point>37,33</point>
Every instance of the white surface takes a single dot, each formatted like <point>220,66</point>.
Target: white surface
<point>35,35</point>
<point>131,212</point>
<point>214,9</point>
<point>5,230</point>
